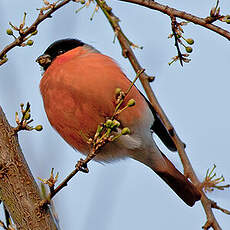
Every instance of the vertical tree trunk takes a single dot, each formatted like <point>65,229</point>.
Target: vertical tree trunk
<point>18,189</point>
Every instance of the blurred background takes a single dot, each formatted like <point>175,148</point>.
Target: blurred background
<point>126,194</point>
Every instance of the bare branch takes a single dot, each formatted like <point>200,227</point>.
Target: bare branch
<point>214,205</point>
<point>173,25</point>
<point>24,33</point>
<point>181,14</point>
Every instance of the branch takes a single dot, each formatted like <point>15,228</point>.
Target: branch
<point>173,25</point>
<point>214,205</point>
<point>181,14</point>
<point>128,53</point>
<point>18,190</point>
<point>22,34</point>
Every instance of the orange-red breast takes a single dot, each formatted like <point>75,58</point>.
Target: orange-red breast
<point>78,87</point>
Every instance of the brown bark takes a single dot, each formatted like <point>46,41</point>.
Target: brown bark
<point>18,190</point>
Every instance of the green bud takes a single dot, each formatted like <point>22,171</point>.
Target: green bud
<point>30,42</point>
<point>190,41</point>
<point>131,102</point>
<point>188,49</point>
<point>38,128</point>
<point>27,116</point>
<point>116,124</point>
<point>117,92</point>
<point>125,131</point>
<point>228,21</point>
<point>82,2</point>
<point>9,32</point>
<point>108,123</point>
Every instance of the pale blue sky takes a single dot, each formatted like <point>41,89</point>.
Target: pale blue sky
<point>126,194</point>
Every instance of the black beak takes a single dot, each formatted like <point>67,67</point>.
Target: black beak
<point>44,60</point>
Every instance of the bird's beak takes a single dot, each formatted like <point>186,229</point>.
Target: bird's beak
<point>44,60</point>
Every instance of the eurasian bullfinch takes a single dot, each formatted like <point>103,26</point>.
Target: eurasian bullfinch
<point>78,87</point>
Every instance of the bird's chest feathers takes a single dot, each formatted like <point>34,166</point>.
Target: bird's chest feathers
<point>60,60</point>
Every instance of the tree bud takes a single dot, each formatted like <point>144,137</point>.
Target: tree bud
<point>38,128</point>
<point>117,92</point>
<point>115,124</point>
<point>108,123</point>
<point>189,49</point>
<point>9,32</point>
<point>30,42</point>
<point>131,102</point>
<point>27,116</point>
<point>125,131</point>
<point>190,41</point>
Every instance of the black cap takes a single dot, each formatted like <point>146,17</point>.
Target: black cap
<point>57,48</point>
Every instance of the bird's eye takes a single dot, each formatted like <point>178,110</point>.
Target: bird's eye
<point>61,52</point>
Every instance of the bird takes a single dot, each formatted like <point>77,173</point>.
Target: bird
<point>77,88</point>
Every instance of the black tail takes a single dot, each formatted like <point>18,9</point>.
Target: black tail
<point>179,184</point>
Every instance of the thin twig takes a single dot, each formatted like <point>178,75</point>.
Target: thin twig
<point>180,14</point>
<point>22,37</point>
<point>81,166</point>
<point>173,25</point>
<point>214,205</point>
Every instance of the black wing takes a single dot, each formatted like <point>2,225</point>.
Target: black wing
<point>160,130</point>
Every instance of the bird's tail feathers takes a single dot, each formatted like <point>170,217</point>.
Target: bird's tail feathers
<point>178,183</point>
<point>163,167</point>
